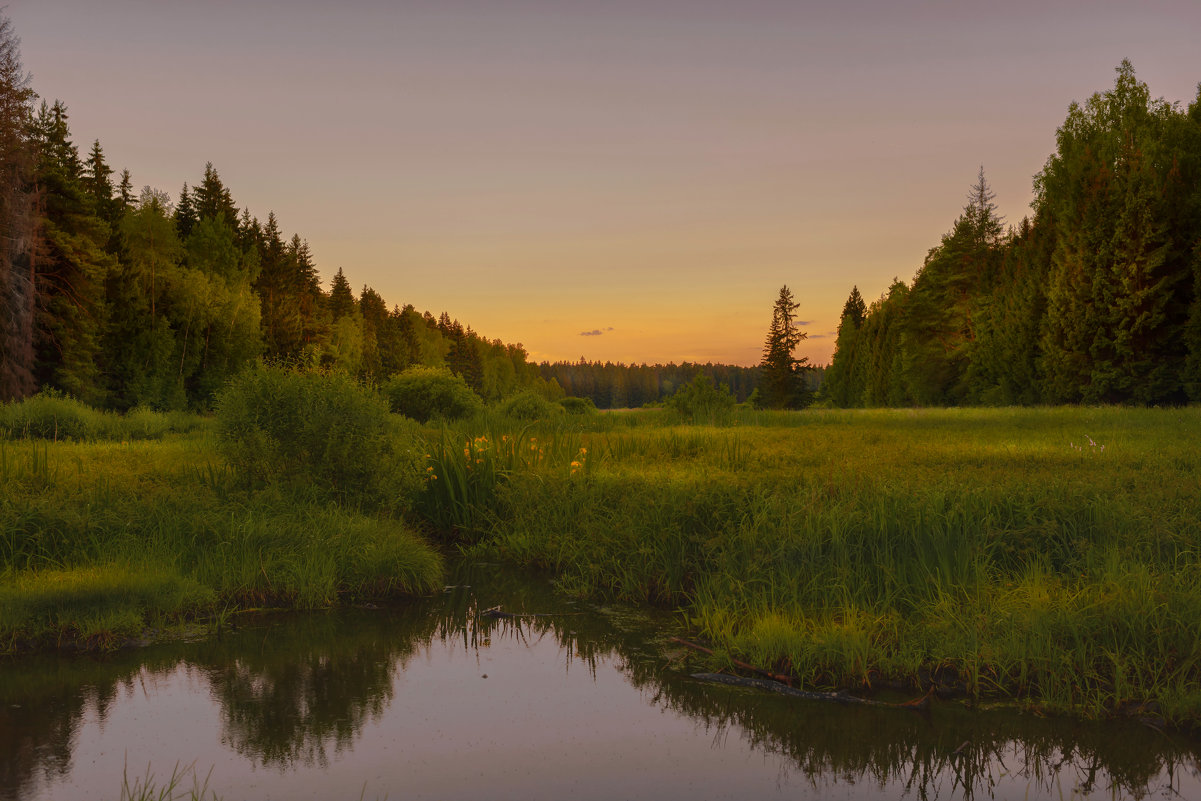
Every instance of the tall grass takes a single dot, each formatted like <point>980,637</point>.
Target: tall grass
<point>148,788</point>
<point>1047,555</point>
<point>99,541</point>
<point>53,416</point>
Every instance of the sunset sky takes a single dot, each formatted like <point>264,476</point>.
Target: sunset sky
<point>625,181</point>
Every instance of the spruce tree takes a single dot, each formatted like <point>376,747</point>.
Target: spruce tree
<point>783,385</point>
<point>836,387</point>
<point>73,267</point>
<point>938,335</point>
<point>185,213</point>
<point>125,191</point>
<point>97,181</point>
<point>341,298</point>
<point>212,200</point>
<point>18,221</point>
<point>1008,319</point>
<point>277,293</point>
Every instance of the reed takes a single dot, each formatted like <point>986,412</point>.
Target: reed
<point>100,541</point>
<point>1046,555</point>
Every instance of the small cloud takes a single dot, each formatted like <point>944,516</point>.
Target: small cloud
<point>804,322</point>
<point>595,332</point>
<point>818,336</point>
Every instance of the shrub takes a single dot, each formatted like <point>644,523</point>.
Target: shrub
<point>143,423</point>
<point>429,393</point>
<point>701,401</point>
<point>317,430</point>
<point>53,415</point>
<point>529,405</point>
<point>577,405</point>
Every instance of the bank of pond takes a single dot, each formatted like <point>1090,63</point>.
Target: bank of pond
<point>1045,558</point>
<point>442,698</point>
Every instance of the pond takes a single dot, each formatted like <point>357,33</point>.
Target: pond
<point>434,700</point>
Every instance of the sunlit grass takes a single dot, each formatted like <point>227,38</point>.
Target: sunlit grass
<point>99,540</point>
<point>1048,555</point>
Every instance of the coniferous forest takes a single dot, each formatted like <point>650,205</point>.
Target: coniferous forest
<point>1096,298</point>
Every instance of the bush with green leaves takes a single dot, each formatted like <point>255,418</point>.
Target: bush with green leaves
<point>431,393</point>
<point>322,432</point>
<point>701,401</point>
<point>578,405</point>
<point>529,405</point>
<point>54,416</point>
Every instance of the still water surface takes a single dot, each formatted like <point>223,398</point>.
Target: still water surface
<point>433,701</point>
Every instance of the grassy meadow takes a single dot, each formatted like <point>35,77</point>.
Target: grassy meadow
<point>1046,556</point>
<point>1051,556</point>
<point>108,537</point>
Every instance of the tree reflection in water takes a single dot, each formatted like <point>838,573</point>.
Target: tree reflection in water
<point>294,691</point>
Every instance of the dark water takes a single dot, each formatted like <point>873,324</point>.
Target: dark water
<point>433,702</point>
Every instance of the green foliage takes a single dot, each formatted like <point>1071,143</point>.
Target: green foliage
<point>1046,554</point>
<point>464,472</point>
<point>1093,301</point>
<point>341,300</point>
<point>529,405</point>
<point>578,405</point>
<point>1120,187</point>
<point>838,389</point>
<point>938,331</point>
<point>876,376</point>
<point>319,430</point>
<point>54,416</point>
<point>611,385</point>
<point>783,383</point>
<point>19,200</point>
<point>98,604</point>
<point>100,540</point>
<point>426,393</point>
<point>702,402</point>
<point>72,270</point>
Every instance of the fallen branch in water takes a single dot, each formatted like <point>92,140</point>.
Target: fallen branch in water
<point>496,612</point>
<point>784,689</point>
<point>758,671</point>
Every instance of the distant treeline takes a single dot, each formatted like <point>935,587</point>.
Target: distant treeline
<point>612,385</point>
<point>1097,299</point>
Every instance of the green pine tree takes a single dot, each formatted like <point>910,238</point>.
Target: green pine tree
<point>783,384</point>
<point>18,221</point>
<point>72,267</point>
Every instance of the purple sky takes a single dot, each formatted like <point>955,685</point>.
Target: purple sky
<point>654,171</point>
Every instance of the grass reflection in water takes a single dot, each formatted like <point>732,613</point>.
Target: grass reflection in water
<point>301,693</point>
